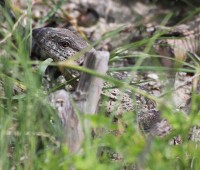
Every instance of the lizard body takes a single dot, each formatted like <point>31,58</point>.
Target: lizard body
<point>52,41</point>
<point>62,44</point>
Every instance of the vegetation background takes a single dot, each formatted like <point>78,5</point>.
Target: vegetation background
<point>29,126</point>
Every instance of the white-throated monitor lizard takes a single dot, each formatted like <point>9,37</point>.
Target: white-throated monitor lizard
<point>61,44</point>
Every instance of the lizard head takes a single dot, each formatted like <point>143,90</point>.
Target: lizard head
<point>59,43</point>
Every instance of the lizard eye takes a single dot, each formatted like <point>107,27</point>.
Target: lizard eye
<point>64,43</point>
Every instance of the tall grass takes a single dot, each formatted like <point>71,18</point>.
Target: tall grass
<point>30,129</point>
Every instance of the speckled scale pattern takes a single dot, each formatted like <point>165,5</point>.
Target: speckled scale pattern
<point>120,101</point>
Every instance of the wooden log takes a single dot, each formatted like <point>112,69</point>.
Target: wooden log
<point>86,98</point>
